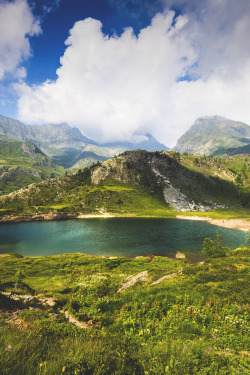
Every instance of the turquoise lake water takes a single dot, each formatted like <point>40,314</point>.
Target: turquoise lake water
<point>114,237</point>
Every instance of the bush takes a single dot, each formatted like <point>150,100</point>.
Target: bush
<point>214,248</point>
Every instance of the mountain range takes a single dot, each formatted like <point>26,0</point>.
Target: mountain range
<point>31,153</point>
<point>67,146</point>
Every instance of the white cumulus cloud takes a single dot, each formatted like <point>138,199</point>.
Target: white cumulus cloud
<point>17,24</point>
<point>160,81</point>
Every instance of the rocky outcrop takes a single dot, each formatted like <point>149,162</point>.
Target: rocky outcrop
<point>177,200</point>
<point>132,280</point>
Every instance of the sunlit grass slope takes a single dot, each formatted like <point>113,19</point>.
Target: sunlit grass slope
<point>23,163</point>
<point>195,320</point>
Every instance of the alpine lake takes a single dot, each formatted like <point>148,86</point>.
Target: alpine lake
<point>128,237</point>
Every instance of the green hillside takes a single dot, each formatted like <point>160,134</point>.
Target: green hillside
<point>78,314</point>
<point>226,152</point>
<point>140,183</point>
<point>23,163</point>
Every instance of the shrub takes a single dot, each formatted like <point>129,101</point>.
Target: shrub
<point>214,248</point>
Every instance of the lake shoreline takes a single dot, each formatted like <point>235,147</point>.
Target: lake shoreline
<point>51,217</point>
<point>240,224</point>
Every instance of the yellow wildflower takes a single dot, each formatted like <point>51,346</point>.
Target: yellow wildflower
<point>64,368</point>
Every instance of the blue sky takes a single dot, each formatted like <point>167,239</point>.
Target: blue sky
<point>56,18</point>
<point>118,69</point>
<point>49,46</point>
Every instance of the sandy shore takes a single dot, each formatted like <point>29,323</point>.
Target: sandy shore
<point>241,224</point>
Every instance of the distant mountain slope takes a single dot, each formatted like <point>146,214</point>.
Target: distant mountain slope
<point>147,142</point>
<point>67,146</point>
<point>87,158</point>
<point>140,182</point>
<point>22,163</point>
<point>52,134</point>
<point>102,152</point>
<point>61,142</point>
<point>212,135</point>
<point>14,129</point>
<point>225,152</point>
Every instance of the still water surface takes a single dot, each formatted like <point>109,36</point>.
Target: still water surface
<point>114,237</point>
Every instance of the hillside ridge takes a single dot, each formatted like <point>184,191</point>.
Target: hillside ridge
<point>139,183</point>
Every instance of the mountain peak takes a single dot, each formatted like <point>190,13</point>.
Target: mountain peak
<point>212,133</point>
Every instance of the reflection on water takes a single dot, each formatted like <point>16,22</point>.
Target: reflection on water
<point>114,237</point>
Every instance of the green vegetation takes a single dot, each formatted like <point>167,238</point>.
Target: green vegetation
<point>23,163</point>
<point>129,185</point>
<point>71,195</point>
<point>194,321</point>
<point>214,248</point>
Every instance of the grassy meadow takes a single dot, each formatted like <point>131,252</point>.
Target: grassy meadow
<point>79,314</point>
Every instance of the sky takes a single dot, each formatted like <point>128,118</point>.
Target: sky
<point>118,69</point>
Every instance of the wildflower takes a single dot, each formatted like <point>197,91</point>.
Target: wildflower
<point>41,364</point>
<point>145,372</point>
<point>64,368</point>
<point>208,351</point>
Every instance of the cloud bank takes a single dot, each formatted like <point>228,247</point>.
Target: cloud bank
<point>17,24</point>
<point>178,68</point>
